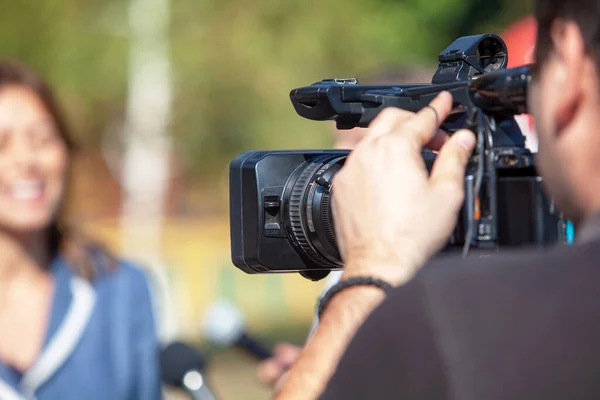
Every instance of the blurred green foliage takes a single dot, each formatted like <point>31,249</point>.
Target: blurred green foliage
<point>234,61</point>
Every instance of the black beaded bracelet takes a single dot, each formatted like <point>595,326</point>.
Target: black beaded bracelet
<point>358,281</point>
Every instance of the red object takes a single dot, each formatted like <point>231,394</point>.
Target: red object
<point>520,39</point>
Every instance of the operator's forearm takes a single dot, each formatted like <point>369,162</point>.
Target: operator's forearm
<point>342,317</point>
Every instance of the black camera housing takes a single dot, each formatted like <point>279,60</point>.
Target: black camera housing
<point>263,238</point>
<point>280,211</point>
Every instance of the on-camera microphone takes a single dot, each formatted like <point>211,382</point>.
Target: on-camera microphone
<point>183,366</point>
<point>225,326</point>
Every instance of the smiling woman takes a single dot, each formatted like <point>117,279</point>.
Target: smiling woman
<point>65,302</point>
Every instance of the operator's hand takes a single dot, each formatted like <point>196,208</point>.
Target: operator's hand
<point>390,215</point>
<point>270,371</point>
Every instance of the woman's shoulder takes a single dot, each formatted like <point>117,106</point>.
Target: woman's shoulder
<point>101,269</point>
<point>125,274</point>
<point>112,279</point>
<point>126,289</point>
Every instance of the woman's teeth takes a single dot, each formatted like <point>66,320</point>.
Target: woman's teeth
<point>27,190</point>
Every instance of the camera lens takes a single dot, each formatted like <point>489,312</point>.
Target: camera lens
<point>307,210</point>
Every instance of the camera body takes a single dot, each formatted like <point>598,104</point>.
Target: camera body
<point>281,209</point>
<point>280,201</point>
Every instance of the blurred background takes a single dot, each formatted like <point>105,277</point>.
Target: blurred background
<point>164,93</point>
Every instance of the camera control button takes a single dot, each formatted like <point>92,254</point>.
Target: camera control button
<point>324,182</point>
<point>271,202</point>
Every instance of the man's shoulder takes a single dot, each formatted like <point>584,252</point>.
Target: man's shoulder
<point>475,327</point>
<point>496,319</point>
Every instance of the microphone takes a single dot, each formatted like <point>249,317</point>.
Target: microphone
<point>182,366</point>
<point>225,326</point>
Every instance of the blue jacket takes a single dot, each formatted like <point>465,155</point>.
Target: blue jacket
<point>101,341</point>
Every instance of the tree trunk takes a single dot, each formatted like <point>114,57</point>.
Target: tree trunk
<point>145,168</point>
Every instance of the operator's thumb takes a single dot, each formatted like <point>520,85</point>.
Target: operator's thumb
<point>448,173</point>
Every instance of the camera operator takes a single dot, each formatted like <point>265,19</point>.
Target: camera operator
<point>517,325</point>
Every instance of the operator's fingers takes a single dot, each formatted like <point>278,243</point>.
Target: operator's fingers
<point>286,354</point>
<point>422,128</point>
<point>269,371</point>
<point>440,138</point>
<point>447,175</point>
<point>386,121</point>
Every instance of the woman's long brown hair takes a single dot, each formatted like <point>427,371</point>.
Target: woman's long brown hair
<point>84,256</point>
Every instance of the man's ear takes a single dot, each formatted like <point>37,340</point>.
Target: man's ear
<point>569,59</point>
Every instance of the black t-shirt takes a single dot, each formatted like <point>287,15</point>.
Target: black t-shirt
<point>523,325</point>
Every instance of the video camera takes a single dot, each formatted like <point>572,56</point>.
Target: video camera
<point>280,201</point>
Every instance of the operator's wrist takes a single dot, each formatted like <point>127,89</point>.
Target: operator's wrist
<point>358,301</point>
<point>396,273</point>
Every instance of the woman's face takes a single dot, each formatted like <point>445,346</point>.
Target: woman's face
<point>33,162</point>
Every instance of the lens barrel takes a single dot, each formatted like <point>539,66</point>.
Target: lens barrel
<point>307,211</point>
